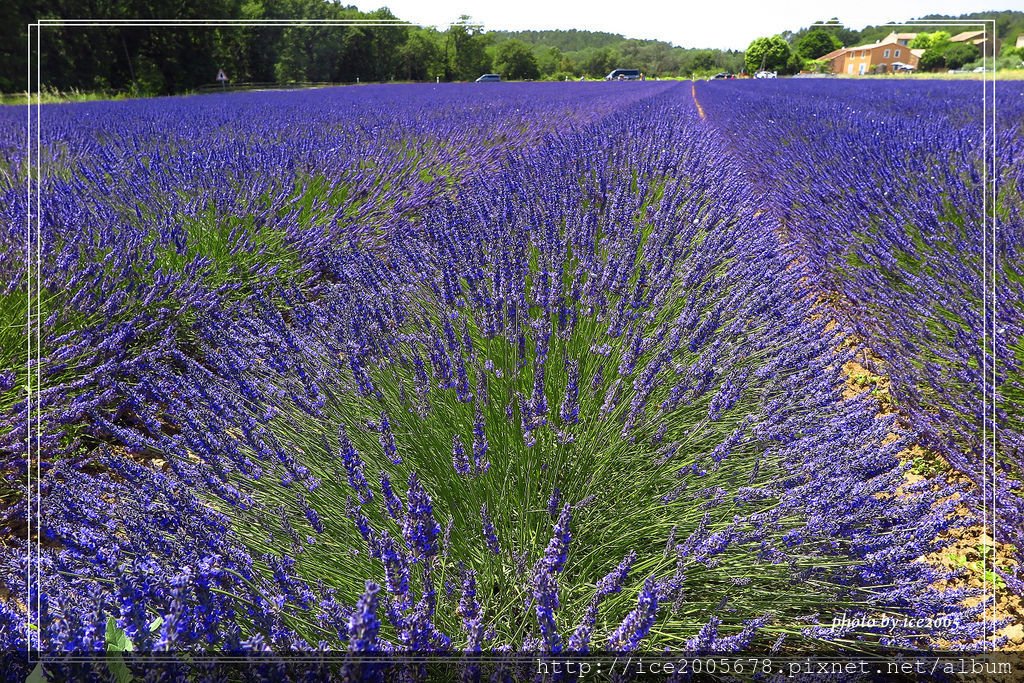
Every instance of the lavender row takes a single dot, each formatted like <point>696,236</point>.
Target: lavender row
<point>885,190</point>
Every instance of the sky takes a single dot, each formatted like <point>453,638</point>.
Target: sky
<point>726,25</point>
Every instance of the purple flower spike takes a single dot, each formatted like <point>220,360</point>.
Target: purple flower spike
<point>469,610</point>
<point>480,462</point>
<point>557,551</point>
<point>391,499</point>
<point>353,467</point>
<point>554,502</point>
<point>570,408</point>
<point>490,535</point>
<point>459,458</point>
<point>637,624</point>
<point>612,583</point>
<point>364,624</point>
<point>387,440</point>
<point>420,528</point>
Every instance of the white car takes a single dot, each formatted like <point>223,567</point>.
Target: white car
<point>765,74</point>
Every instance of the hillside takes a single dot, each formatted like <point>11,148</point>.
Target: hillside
<point>572,40</point>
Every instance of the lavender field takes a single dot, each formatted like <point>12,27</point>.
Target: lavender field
<point>538,367</point>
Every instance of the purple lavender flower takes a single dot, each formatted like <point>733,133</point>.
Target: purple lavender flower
<point>490,534</point>
<point>311,514</point>
<point>463,390</point>
<point>470,612</point>
<point>353,467</point>
<point>554,502</point>
<point>570,408</point>
<point>420,528</point>
<point>709,640</point>
<point>579,641</point>
<point>396,572</point>
<point>460,460</point>
<point>387,440</point>
<point>557,551</point>
<point>611,398</point>
<point>480,462</point>
<point>637,624</point>
<point>612,583</point>
<point>598,380</point>
<point>546,603</point>
<point>364,624</point>
<point>391,499</point>
<point>362,523</point>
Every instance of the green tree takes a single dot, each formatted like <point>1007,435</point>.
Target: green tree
<point>700,62</point>
<point>385,47</point>
<point>514,60</point>
<point>422,56</point>
<point>658,58</point>
<point>310,53</point>
<point>873,34</point>
<point>549,60</point>
<point>772,53</point>
<point>596,63</point>
<point>817,42</point>
<point>844,35</point>
<point>466,50</point>
<point>924,41</point>
<point>796,63</point>
<point>958,54</point>
<point>260,44</point>
<point>932,60</point>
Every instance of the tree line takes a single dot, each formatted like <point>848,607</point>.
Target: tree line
<point>165,60</point>
<point>559,54</point>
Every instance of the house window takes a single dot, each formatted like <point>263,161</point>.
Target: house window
<point>896,54</point>
<point>849,69</point>
<point>885,55</point>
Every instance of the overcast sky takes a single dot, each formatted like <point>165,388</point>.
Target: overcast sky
<point>705,23</point>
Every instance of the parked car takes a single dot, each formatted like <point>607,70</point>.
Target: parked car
<point>900,66</point>
<point>720,76</point>
<point>623,75</point>
<point>765,74</point>
<point>489,78</point>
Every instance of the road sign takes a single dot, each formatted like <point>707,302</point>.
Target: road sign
<point>221,76</point>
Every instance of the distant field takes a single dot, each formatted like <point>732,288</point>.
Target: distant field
<point>55,97</point>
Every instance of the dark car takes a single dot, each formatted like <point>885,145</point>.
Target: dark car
<point>489,78</point>
<point>623,75</point>
<point>720,76</point>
